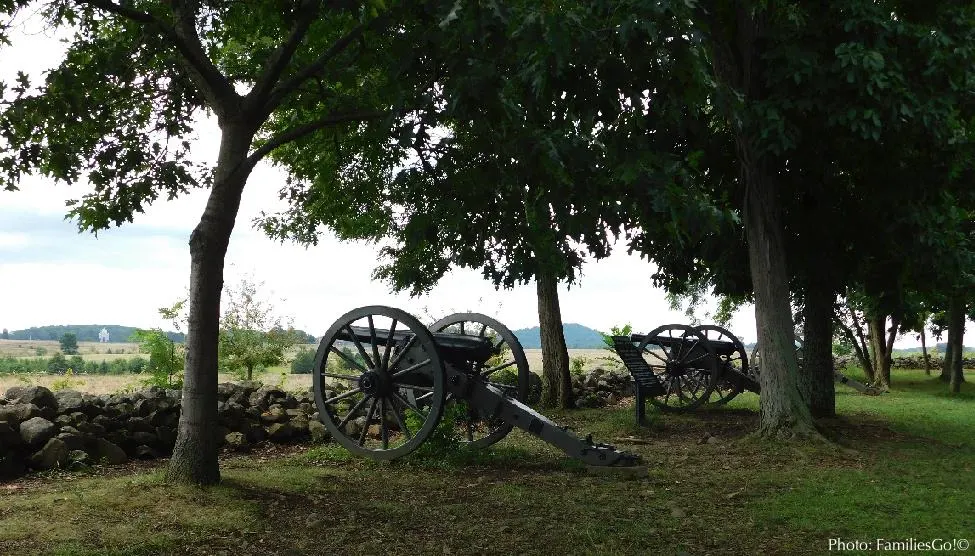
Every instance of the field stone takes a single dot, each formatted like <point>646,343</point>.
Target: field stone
<point>145,452</point>
<point>37,395</point>
<point>18,412</point>
<point>274,414</point>
<point>78,458</point>
<point>279,432</point>
<point>72,441</point>
<point>53,454</point>
<point>237,441</point>
<point>11,465</point>
<point>319,433</point>
<point>300,424</point>
<point>69,401</point>
<point>9,435</point>
<point>109,452</point>
<point>147,438</point>
<point>37,430</point>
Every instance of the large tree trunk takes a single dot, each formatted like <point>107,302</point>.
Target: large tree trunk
<point>949,354</point>
<point>880,347</point>
<point>924,352</point>
<point>783,411</point>
<point>194,457</point>
<point>956,332</point>
<point>555,357</point>
<point>816,376</point>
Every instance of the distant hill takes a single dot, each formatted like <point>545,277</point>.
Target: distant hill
<point>89,333</point>
<point>85,332</point>
<point>577,336</point>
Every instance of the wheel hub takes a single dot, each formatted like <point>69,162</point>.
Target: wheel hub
<point>373,384</point>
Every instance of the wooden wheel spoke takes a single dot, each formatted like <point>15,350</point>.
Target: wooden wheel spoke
<point>372,339</point>
<point>348,394</point>
<point>493,370</point>
<point>345,420</point>
<point>365,427</point>
<point>340,376</point>
<point>358,345</point>
<point>653,353</point>
<point>409,370</point>
<point>389,347</point>
<point>408,405</point>
<point>392,365</point>
<point>399,419</point>
<point>384,431</point>
<point>348,359</point>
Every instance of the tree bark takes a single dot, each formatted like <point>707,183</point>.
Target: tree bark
<point>956,332</point>
<point>783,411</point>
<point>194,457</point>
<point>949,354</point>
<point>924,352</point>
<point>816,376</point>
<point>868,368</point>
<point>879,351</point>
<point>555,357</point>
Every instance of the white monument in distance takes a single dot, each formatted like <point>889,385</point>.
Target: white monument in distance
<point>103,336</point>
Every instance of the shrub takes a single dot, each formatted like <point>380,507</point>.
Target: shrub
<point>304,362</point>
<point>577,365</point>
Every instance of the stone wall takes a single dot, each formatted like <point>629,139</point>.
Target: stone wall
<point>40,429</point>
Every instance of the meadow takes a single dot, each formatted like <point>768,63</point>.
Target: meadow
<point>895,467</point>
<point>107,384</point>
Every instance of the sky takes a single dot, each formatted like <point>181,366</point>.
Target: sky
<point>52,274</point>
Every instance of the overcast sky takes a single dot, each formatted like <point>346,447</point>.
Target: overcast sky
<point>51,274</point>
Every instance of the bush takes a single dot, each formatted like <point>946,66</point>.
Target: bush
<point>57,364</point>
<point>304,362</point>
<point>577,366</point>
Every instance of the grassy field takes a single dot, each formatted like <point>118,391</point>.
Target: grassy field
<point>107,384</point>
<point>897,466</point>
<point>46,348</point>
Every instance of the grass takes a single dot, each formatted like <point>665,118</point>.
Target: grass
<point>901,466</point>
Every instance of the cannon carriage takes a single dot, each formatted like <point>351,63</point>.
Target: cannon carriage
<point>383,380</point>
<point>694,366</point>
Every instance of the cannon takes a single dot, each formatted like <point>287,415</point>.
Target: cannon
<point>382,382</point>
<point>693,366</point>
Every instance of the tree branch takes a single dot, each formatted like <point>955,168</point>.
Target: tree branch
<point>214,86</point>
<point>218,90</point>
<point>279,60</point>
<point>314,68</point>
<point>299,131</point>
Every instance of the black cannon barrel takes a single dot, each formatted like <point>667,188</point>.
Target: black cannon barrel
<point>456,348</point>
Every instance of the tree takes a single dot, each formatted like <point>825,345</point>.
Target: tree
<point>69,343</point>
<point>518,181</point>
<point>806,92</point>
<point>118,111</point>
<point>166,357</point>
<point>5,334</point>
<point>251,336</point>
<point>304,361</point>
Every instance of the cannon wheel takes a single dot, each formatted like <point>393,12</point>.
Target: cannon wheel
<point>479,431</point>
<point>725,390</point>
<point>688,375</point>
<point>372,417</point>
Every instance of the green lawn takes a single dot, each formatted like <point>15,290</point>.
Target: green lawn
<point>900,467</point>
